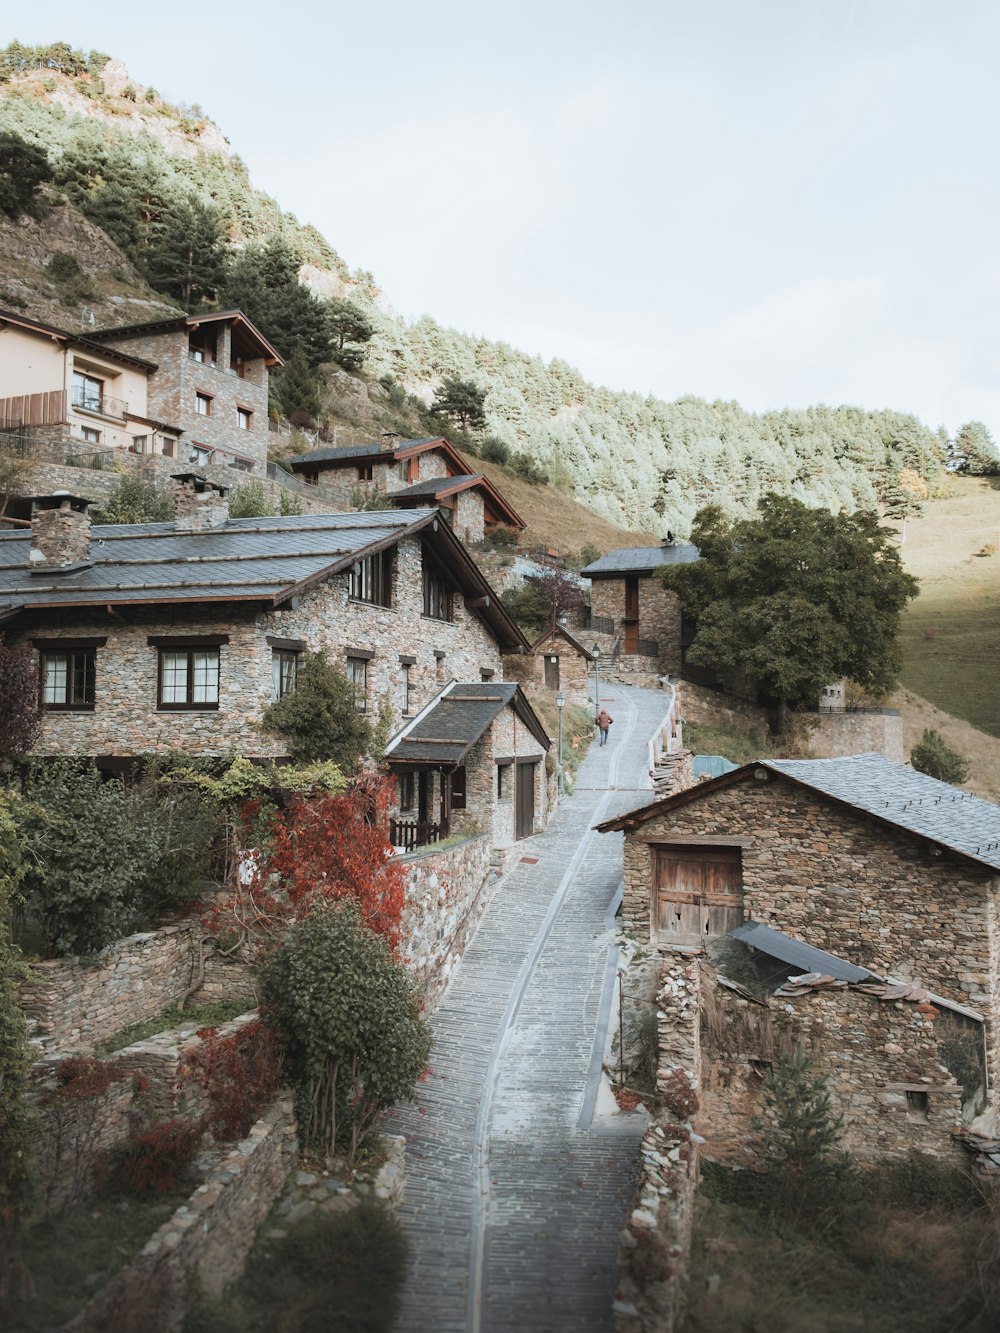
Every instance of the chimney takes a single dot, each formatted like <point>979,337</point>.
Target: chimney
<point>199,504</point>
<point>60,533</point>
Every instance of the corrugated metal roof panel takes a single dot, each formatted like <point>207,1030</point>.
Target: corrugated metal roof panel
<point>776,944</point>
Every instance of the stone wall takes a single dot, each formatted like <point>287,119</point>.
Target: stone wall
<point>73,1003</point>
<point>446,895</point>
<point>869,732</point>
<point>126,720</point>
<point>655,1245</point>
<point>881,1060</point>
<point>205,1244</point>
<point>469,521</point>
<point>659,616</point>
<point>575,670</point>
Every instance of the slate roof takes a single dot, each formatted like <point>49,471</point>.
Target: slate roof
<point>776,944</point>
<point>447,729</point>
<point>903,797</point>
<point>373,449</point>
<point>437,485</point>
<point>640,560</point>
<point>571,639</point>
<point>892,793</point>
<point>264,560</point>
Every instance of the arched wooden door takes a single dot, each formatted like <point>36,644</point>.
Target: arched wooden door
<point>698,891</point>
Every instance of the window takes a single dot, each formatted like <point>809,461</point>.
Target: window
<point>503,781</point>
<point>437,594</point>
<point>357,674</point>
<point>404,672</point>
<point>201,347</point>
<point>188,671</point>
<point>409,469</point>
<point>405,792</point>
<point>201,454</point>
<point>203,404</point>
<point>87,391</point>
<point>284,668</point>
<point>168,447</point>
<point>371,580</point>
<point>917,1105</point>
<point>68,680</point>
<point>242,464</point>
<point>243,418</point>
<point>239,367</point>
<point>90,435</point>
<point>364,472</point>
<point>140,444</point>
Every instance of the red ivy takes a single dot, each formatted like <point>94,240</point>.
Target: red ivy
<point>157,1160</point>
<point>240,1074</point>
<point>323,848</point>
<point>82,1076</point>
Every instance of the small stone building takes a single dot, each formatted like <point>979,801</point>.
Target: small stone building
<point>630,608</point>
<point>176,636</point>
<point>411,474</point>
<point>472,760</point>
<point>886,869</point>
<point>558,661</point>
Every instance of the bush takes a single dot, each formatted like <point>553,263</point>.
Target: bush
<point>937,759</point>
<point>135,501</point>
<point>240,1074</point>
<point>526,468</point>
<point>157,1160</point>
<point>502,538</point>
<point>494,450</point>
<point>250,501</point>
<point>318,718</point>
<point>350,1019</point>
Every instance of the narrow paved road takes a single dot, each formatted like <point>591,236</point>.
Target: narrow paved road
<point>515,1190</point>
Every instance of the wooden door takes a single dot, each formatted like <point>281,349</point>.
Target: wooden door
<point>524,802</point>
<point>551,672</point>
<point>631,619</point>
<point>698,891</point>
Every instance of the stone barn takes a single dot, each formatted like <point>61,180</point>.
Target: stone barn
<point>878,885</point>
<point>558,662</point>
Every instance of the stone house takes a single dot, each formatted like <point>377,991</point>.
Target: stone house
<point>557,661</point>
<point>411,474</point>
<point>853,862</point>
<point>473,759</point>
<point>176,636</point>
<point>631,611</point>
<point>142,387</point>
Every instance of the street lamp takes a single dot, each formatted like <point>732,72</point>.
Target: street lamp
<point>597,677</point>
<point>560,704</point>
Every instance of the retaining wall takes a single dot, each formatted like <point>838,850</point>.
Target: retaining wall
<point>445,897</point>
<point>206,1242</point>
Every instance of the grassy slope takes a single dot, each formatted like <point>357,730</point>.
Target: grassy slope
<point>951,632</point>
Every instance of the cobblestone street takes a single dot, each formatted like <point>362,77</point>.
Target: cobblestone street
<point>515,1189</point>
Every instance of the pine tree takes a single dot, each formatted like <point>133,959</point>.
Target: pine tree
<point>800,1127</point>
<point>976,450</point>
<point>462,400</point>
<point>23,167</point>
<point>351,330</point>
<point>184,255</point>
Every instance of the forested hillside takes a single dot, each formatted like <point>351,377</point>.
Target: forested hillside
<point>163,184</point>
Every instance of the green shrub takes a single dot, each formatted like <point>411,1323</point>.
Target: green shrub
<point>318,719</point>
<point>936,758</point>
<point>494,450</point>
<point>526,468</point>
<point>135,501</point>
<point>350,1019</point>
<point>250,501</point>
<point>502,538</point>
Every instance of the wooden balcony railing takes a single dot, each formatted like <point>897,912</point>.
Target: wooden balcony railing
<point>412,833</point>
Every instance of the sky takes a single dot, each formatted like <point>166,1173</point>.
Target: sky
<point>784,203</point>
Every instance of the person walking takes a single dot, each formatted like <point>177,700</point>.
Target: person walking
<point>603,720</point>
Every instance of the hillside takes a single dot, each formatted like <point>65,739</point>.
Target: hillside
<point>951,632</point>
<point>638,462</point>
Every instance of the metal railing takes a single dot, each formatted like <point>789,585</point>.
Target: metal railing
<point>412,833</point>
<point>66,451</point>
<point>600,624</point>
<point>648,648</point>
<point>101,403</point>
<point>293,483</point>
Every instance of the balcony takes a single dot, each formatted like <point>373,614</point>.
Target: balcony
<point>101,404</point>
<point>413,833</point>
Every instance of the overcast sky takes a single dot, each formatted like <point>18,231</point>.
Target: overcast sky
<point>784,202</point>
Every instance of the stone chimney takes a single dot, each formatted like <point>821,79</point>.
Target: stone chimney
<point>199,504</point>
<point>60,532</point>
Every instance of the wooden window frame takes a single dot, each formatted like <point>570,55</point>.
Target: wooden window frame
<point>365,471</point>
<point>357,665</point>
<point>244,418</point>
<point>437,595</point>
<point>280,658</point>
<point>370,580</point>
<point>189,644</point>
<point>200,396</point>
<point>407,793</point>
<point>70,649</point>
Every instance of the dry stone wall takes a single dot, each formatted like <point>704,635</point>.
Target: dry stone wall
<point>446,895</point>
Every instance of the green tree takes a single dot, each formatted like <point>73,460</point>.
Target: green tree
<point>135,501</point>
<point>795,598</point>
<point>184,257</point>
<point>350,1019</point>
<point>975,450</point>
<point>250,501</point>
<point>263,282</point>
<point>936,758</point>
<point>319,718</point>
<point>352,329</point>
<point>294,389</point>
<point>23,167</point>
<point>462,401</point>
<point>15,1053</point>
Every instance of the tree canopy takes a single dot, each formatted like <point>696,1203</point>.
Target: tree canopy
<point>23,167</point>
<point>975,450</point>
<point>795,598</point>
<point>462,400</point>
